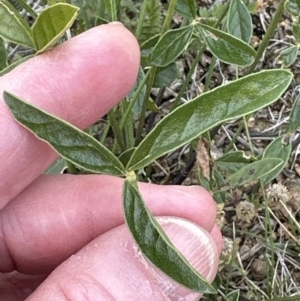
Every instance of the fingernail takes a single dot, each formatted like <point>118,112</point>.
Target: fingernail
<point>115,23</point>
<point>197,246</point>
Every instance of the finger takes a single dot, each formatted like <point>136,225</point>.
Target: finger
<point>17,287</point>
<point>112,268</point>
<point>217,236</point>
<point>79,81</point>
<point>57,215</point>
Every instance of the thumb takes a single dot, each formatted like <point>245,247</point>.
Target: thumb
<point>198,247</point>
<point>111,268</point>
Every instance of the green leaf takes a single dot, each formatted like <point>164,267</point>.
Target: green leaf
<point>165,75</point>
<point>196,43</point>
<point>15,64</point>
<point>277,149</point>
<point>226,47</point>
<point>51,24</point>
<point>296,30</point>
<point>253,171</point>
<point>145,57</point>
<point>233,296</point>
<point>151,106</point>
<point>204,182</point>
<point>218,182</point>
<point>293,7</point>
<point>232,162</point>
<point>186,8</point>
<point>13,27</point>
<point>238,98</point>
<point>170,46</point>
<point>294,122</point>
<point>155,244</point>
<point>147,48</point>
<point>239,22</point>
<point>57,167</point>
<point>220,197</point>
<point>125,156</point>
<point>3,56</point>
<point>288,56</point>
<point>149,44</point>
<point>138,104</point>
<point>71,143</point>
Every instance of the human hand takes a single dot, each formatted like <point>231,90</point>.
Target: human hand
<point>73,226</point>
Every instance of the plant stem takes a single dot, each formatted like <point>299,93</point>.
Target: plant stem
<point>142,118</point>
<point>210,73</point>
<point>113,10</point>
<point>269,240</point>
<point>27,8</point>
<point>129,125</point>
<point>246,119</point>
<point>133,100</point>
<point>71,168</point>
<point>105,133</point>
<point>239,130</point>
<point>194,65</point>
<point>141,20</point>
<point>116,129</point>
<point>269,34</point>
<point>169,16</point>
<point>214,60</point>
<point>188,78</point>
<point>152,73</point>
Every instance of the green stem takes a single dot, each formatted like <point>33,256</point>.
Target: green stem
<point>188,78</point>
<point>239,130</point>
<point>210,73</point>
<point>142,118</point>
<point>152,73</point>
<point>116,129</point>
<point>115,146</point>
<point>28,8</point>
<point>194,65</point>
<point>268,239</point>
<point>129,125</point>
<point>113,6</point>
<point>105,133</point>
<point>133,100</point>
<point>169,16</point>
<point>213,62</point>
<point>141,20</point>
<point>246,118</point>
<point>71,168</point>
<point>269,34</point>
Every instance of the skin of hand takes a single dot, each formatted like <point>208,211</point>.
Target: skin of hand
<point>62,237</point>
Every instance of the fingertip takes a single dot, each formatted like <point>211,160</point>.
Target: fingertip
<point>113,260</point>
<point>78,81</point>
<point>82,79</point>
<point>205,210</point>
<point>218,238</point>
<point>197,246</point>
